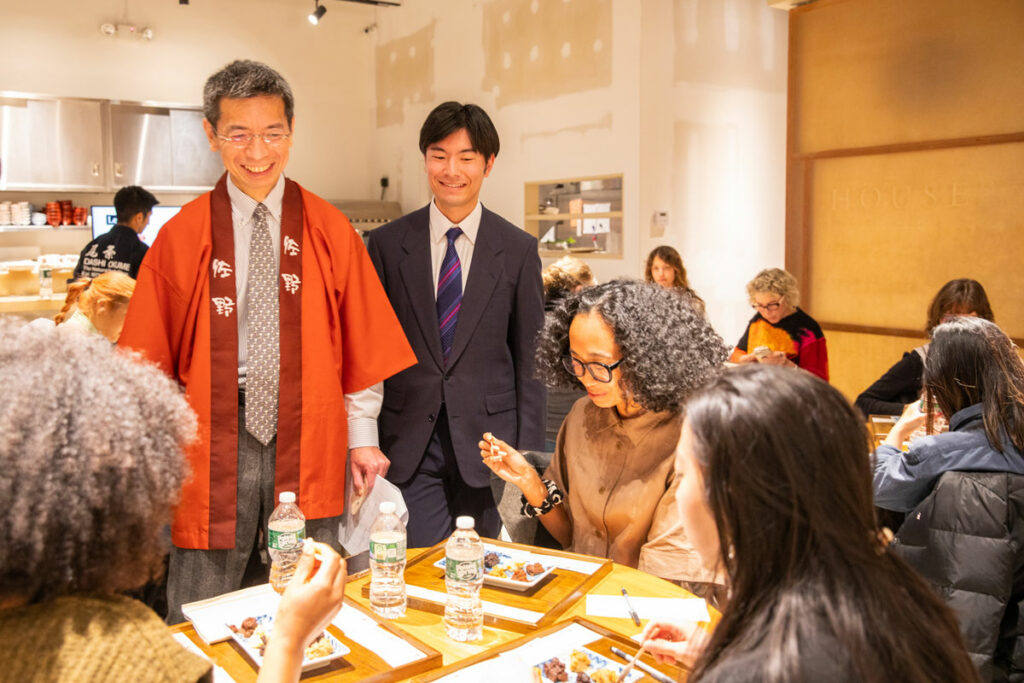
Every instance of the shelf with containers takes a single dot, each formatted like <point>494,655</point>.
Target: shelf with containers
<point>576,215</point>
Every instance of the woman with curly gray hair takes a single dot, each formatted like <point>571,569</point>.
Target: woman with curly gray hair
<point>639,350</point>
<point>91,461</point>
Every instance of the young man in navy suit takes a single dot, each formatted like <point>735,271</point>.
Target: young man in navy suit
<point>466,286</point>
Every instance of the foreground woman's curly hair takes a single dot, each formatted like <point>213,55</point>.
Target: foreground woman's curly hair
<point>91,462</point>
<point>668,348</point>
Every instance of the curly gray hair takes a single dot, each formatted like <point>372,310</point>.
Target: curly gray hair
<point>91,461</point>
<point>668,348</point>
<point>241,79</point>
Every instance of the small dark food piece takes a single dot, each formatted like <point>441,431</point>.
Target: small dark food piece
<point>247,628</point>
<point>582,677</point>
<point>554,670</point>
<point>491,560</point>
<point>534,568</point>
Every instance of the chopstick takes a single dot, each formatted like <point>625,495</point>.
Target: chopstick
<point>631,663</point>
<point>649,670</point>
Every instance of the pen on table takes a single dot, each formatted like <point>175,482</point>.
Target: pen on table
<point>649,670</point>
<point>629,606</point>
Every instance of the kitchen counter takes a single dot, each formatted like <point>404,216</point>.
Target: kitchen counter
<point>31,304</point>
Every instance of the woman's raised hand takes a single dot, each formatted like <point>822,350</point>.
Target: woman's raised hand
<point>505,461</point>
<point>671,643</point>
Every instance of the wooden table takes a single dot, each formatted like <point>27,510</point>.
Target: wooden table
<point>429,629</point>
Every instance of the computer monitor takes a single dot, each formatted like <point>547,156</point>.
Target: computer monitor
<point>105,217</point>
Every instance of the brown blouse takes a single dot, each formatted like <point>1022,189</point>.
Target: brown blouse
<point>619,478</point>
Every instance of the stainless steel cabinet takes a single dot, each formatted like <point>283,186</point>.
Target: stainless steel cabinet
<point>52,143</point>
<point>96,145</point>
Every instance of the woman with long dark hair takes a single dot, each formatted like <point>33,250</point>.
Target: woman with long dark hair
<point>776,487</point>
<point>901,384</point>
<point>966,488</point>
<point>665,267</point>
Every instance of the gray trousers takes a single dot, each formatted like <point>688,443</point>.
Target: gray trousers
<point>200,574</point>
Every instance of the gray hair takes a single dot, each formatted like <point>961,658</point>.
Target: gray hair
<point>91,461</point>
<point>244,78</point>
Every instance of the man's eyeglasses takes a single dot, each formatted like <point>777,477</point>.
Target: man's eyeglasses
<point>271,138</point>
<point>599,371</point>
<point>768,308</point>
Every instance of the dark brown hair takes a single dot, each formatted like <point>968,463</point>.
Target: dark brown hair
<point>788,481</point>
<point>958,296</point>
<point>671,257</point>
<point>449,117</point>
<point>970,360</point>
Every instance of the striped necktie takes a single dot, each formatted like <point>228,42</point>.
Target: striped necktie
<point>263,355</point>
<point>449,292</point>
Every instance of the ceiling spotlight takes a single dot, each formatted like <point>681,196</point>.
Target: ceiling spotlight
<point>318,13</point>
<point>108,29</point>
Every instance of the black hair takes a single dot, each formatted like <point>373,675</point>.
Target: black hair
<point>449,117</point>
<point>668,348</point>
<point>970,360</point>
<point>787,478</point>
<point>131,200</point>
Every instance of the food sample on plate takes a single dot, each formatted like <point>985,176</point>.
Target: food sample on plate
<point>256,631</point>
<point>513,569</point>
<point>584,667</point>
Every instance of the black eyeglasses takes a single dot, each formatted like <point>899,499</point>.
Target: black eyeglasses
<point>599,371</point>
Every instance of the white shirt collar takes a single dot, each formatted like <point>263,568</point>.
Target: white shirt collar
<point>439,223</point>
<point>244,205</point>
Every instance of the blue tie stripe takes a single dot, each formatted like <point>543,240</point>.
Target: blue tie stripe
<point>449,292</point>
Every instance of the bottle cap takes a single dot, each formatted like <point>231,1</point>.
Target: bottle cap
<point>286,497</point>
<point>464,522</point>
<point>387,507</point>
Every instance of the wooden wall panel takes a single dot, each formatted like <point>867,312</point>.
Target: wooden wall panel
<point>890,229</point>
<point>875,72</point>
<point>857,360</point>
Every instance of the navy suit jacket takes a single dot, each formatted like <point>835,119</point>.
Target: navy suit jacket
<point>489,383</point>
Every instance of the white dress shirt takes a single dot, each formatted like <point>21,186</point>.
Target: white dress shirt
<point>364,407</point>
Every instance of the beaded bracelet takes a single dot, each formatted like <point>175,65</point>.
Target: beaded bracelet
<point>555,497</point>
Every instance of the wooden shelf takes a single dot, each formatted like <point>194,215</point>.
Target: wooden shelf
<point>571,216</point>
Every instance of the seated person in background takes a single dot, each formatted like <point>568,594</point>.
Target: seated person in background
<point>901,384</point>
<point>562,278</point>
<point>775,488</point>
<point>610,490</point>
<point>91,461</point>
<point>120,248</point>
<point>100,305</point>
<point>780,333</point>
<point>967,540</point>
<point>665,267</point>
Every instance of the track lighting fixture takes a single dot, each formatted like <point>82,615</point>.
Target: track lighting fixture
<point>318,13</point>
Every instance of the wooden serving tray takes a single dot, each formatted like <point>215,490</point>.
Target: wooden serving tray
<point>361,664</point>
<point>543,603</point>
<point>601,645</point>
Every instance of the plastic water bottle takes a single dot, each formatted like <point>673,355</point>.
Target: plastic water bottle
<point>45,281</point>
<point>463,576</point>
<point>387,563</point>
<point>286,530</point>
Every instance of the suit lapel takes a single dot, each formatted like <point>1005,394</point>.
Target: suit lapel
<point>479,285</point>
<point>418,281</point>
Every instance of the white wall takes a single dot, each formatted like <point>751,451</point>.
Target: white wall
<point>55,48</point>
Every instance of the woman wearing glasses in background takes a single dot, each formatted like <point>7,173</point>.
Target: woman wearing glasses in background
<point>639,351</point>
<point>780,333</point>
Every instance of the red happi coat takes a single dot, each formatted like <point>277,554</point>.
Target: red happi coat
<point>338,335</point>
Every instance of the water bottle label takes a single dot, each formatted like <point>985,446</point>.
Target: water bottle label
<point>463,570</point>
<point>387,552</point>
<point>286,540</point>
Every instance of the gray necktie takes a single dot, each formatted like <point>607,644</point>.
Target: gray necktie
<point>263,354</point>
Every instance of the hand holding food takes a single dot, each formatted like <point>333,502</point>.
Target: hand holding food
<point>505,461</point>
<point>671,643</point>
<point>912,418</point>
<point>774,358</point>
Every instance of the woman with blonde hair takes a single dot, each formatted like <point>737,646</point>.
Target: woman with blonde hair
<point>665,267</point>
<point>97,305</point>
<point>780,333</point>
<point>563,277</point>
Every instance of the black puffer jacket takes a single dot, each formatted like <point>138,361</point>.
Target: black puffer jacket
<point>967,539</point>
